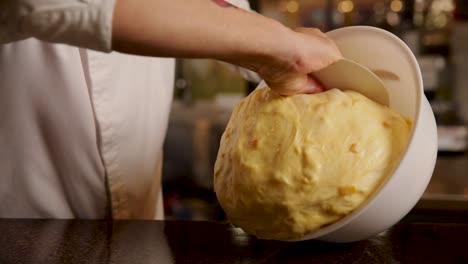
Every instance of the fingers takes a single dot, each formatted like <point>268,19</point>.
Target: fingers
<point>311,31</point>
<point>312,50</point>
<point>304,84</point>
<point>288,85</point>
<point>329,45</point>
<point>312,86</point>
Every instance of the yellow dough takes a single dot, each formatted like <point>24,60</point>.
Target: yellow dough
<point>287,166</point>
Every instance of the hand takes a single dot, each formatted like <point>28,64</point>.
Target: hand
<point>311,50</point>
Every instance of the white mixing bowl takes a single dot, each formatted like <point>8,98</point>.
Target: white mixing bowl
<point>386,54</point>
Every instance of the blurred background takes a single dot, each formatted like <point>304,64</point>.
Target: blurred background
<point>206,92</point>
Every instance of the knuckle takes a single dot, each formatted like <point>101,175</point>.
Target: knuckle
<point>314,31</point>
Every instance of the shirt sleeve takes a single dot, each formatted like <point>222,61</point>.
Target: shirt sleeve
<point>82,23</point>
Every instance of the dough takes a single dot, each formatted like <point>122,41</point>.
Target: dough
<point>287,166</point>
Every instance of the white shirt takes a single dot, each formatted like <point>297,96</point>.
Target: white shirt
<point>81,131</point>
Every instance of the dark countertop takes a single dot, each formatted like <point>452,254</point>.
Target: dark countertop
<point>448,188</point>
<point>141,242</point>
<point>449,178</point>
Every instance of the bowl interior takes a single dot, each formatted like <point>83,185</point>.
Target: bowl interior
<point>388,57</point>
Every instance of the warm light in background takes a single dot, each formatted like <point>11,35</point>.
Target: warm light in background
<point>396,5</point>
<point>292,6</point>
<point>442,6</point>
<point>393,19</point>
<point>345,6</point>
<point>440,21</point>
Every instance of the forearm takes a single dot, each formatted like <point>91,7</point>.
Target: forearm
<point>177,28</point>
<point>196,28</point>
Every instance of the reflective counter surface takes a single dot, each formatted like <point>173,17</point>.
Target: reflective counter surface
<point>100,241</point>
